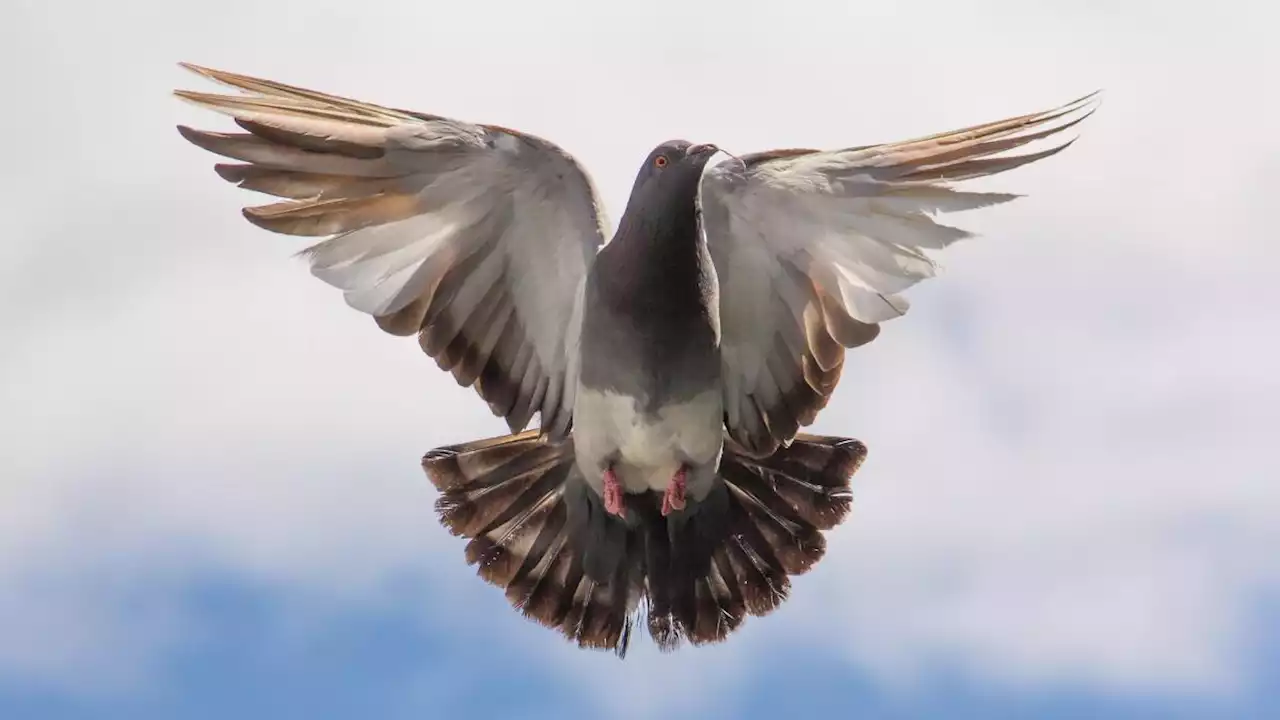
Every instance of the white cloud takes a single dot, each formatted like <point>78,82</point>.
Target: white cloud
<point>1070,477</point>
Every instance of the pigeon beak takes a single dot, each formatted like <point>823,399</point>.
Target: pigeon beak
<point>706,149</point>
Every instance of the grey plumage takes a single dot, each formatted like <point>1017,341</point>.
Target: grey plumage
<point>651,322</point>
<point>672,368</point>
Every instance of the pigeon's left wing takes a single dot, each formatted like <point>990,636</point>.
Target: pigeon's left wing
<point>812,249</point>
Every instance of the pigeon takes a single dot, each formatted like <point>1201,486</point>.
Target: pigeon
<point>673,363</point>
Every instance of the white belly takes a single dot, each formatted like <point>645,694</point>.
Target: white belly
<point>650,448</point>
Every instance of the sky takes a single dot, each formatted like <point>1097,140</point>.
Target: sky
<point>210,498</point>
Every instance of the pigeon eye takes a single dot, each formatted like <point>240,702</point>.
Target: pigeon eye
<point>660,161</point>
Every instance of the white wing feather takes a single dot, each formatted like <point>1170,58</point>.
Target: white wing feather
<point>474,237</point>
<point>813,250</point>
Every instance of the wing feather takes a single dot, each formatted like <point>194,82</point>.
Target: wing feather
<point>474,237</point>
<point>813,250</point>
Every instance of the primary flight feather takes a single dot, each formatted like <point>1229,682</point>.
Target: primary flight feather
<point>671,367</point>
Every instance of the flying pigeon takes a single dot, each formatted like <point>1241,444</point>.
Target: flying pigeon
<point>672,363</point>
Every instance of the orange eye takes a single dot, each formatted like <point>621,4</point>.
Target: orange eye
<point>660,161</point>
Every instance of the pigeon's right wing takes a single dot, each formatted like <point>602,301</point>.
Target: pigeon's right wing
<point>812,248</point>
<point>474,237</point>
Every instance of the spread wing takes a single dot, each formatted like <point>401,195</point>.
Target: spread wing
<point>812,249</point>
<point>476,238</point>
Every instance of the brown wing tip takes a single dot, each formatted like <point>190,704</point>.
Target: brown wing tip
<point>190,134</point>
<point>1090,99</point>
<point>232,172</point>
<point>219,76</point>
<point>1088,103</point>
<point>203,100</point>
<point>203,139</point>
<point>255,216</point>
<point>197,96</point>
<point>204,72</point>
<point>197,69</point>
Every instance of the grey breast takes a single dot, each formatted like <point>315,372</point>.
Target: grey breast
<point>650,322</point>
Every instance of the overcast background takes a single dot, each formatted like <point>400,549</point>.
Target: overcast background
<point>210,500</point>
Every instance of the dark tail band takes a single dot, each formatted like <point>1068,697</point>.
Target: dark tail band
<point>537,531</point>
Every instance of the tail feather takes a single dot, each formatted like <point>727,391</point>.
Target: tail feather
<point>504,547</point>
<point>537,531</point>
<point>793,541</point>
<point>507,495</point>
<point>812,476</point>
<point>471,509</point>
<point>735,556</point>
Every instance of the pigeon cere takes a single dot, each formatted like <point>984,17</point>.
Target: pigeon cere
<point>672,363</point>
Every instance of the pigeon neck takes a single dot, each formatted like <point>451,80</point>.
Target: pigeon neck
<point>672,231</point>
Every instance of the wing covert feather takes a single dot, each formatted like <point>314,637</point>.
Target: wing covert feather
<point>814,248</point>
<point>474,237</point>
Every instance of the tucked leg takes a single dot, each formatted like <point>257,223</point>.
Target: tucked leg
<point>673,498</point>
<point>613,493</point>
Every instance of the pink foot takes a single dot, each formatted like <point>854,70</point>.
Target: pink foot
<point>673,498</point>
<point>612,493</point>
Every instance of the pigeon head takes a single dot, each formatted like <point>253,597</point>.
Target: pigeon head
<point>671,173</point>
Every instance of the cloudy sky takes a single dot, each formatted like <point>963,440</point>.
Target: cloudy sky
<point>210,500</point>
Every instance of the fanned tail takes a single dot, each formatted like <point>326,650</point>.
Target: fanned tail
<point>734,556</point>
<point>537,531</point>
<point>511,497</point>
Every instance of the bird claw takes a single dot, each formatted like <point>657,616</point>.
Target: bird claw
<point>613,493</point>
<point>673,499</point>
